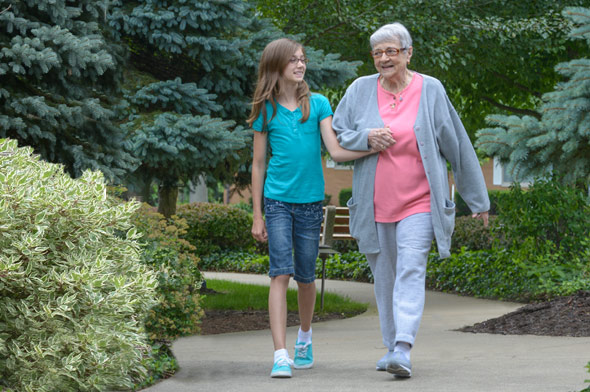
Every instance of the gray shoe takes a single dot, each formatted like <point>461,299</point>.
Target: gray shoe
<point>382,363</point>
<point>399,366</point>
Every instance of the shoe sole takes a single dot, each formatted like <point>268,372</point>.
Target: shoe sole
<point>308,366</point>
<point>280,375</point>
<point>399,370</point>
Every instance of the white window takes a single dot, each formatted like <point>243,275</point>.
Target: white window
<point>504,178</point>
<point>330,164</point>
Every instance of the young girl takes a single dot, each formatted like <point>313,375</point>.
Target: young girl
<point>289,118</point>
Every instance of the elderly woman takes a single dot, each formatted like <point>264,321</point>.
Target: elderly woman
<point>400,196</point>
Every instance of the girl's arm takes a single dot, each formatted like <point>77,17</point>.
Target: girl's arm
<point>338,153</point>
<point>258,170</point>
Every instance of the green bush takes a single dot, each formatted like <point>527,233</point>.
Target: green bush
<point>471,234</point>
<point>172,257</point>
<point>346,266</point>
<point>74,292</point>
<point>548,211</point>
<point>540,249</point>
<point>345,246</point>
<point>236,261</point>
<point>462,209</point>
<point>216,227</point>
<point>529,272</point>
<point>344,195</point>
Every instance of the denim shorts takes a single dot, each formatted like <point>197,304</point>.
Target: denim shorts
<point>293,238</point>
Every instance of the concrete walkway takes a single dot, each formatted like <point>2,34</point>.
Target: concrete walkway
<point>346,351</point>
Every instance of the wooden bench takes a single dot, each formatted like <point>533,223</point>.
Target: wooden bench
<point>335,227</point>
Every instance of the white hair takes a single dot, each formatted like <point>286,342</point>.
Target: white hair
<point>391,32</point>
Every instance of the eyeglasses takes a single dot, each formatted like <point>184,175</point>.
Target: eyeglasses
<point>295,60</point>
<point>389,52</point>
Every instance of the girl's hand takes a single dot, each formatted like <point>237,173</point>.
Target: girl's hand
<point>259,230</point>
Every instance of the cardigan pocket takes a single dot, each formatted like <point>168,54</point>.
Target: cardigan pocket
<point>352,221</point>
<point>448,219</point>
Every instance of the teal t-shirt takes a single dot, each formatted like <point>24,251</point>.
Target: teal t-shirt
<point>294,173</point>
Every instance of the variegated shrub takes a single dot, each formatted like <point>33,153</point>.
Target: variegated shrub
<point>73,294</point>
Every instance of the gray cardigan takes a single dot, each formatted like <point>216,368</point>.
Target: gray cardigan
<point>441,137</point>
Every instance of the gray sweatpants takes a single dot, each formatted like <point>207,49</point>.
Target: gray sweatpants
<point>399,272</point>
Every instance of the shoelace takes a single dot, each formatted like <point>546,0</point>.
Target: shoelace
<point>284,361</point>
<point>302,350</point>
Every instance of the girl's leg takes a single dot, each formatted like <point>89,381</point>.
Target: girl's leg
<point>306,237</point>
<point>307,222</point>
<point>279,225</point>
<point>277,310</point>
<point>306,296</point>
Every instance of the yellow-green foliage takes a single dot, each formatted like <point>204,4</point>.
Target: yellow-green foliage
<point>179,279</point>
<point>73,293</point>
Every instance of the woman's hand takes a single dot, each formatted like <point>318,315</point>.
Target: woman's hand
<point>259,230</point>
<point>380,139</point>
<point>482,215</point>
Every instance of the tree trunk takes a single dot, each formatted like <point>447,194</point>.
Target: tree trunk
<point>167,196</point>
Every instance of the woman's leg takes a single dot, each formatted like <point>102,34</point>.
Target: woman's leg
<point>382,266</point>
<point>414,239</point>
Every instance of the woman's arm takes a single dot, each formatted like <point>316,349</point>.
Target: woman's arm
<point>338,153</point>
<point>258,170</point>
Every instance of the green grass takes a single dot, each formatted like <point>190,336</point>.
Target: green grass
<point>241,296</point>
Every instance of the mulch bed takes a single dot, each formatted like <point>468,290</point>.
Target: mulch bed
<point>564,316</point>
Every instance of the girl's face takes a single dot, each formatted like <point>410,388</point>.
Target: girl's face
<point>295,69</point>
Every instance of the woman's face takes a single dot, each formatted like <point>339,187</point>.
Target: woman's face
<point>392,67</point>
<point>295,69</point>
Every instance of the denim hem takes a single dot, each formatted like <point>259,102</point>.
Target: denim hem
<point>281,271</point>
<point>300,279</point>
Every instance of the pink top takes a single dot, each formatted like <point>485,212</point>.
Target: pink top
<point>401,187</point>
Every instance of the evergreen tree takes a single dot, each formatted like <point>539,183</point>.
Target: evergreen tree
<point>59,81</point>
<point>558,142</point>
<point>193,66</point>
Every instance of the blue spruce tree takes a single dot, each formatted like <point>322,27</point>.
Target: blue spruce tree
<point>59,85</point>
<point>190,79</point>
<point>558,142</point>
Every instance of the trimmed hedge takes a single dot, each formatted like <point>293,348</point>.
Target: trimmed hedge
<point>216,227</point>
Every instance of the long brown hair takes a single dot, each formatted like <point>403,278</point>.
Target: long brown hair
<point>273,62</point>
